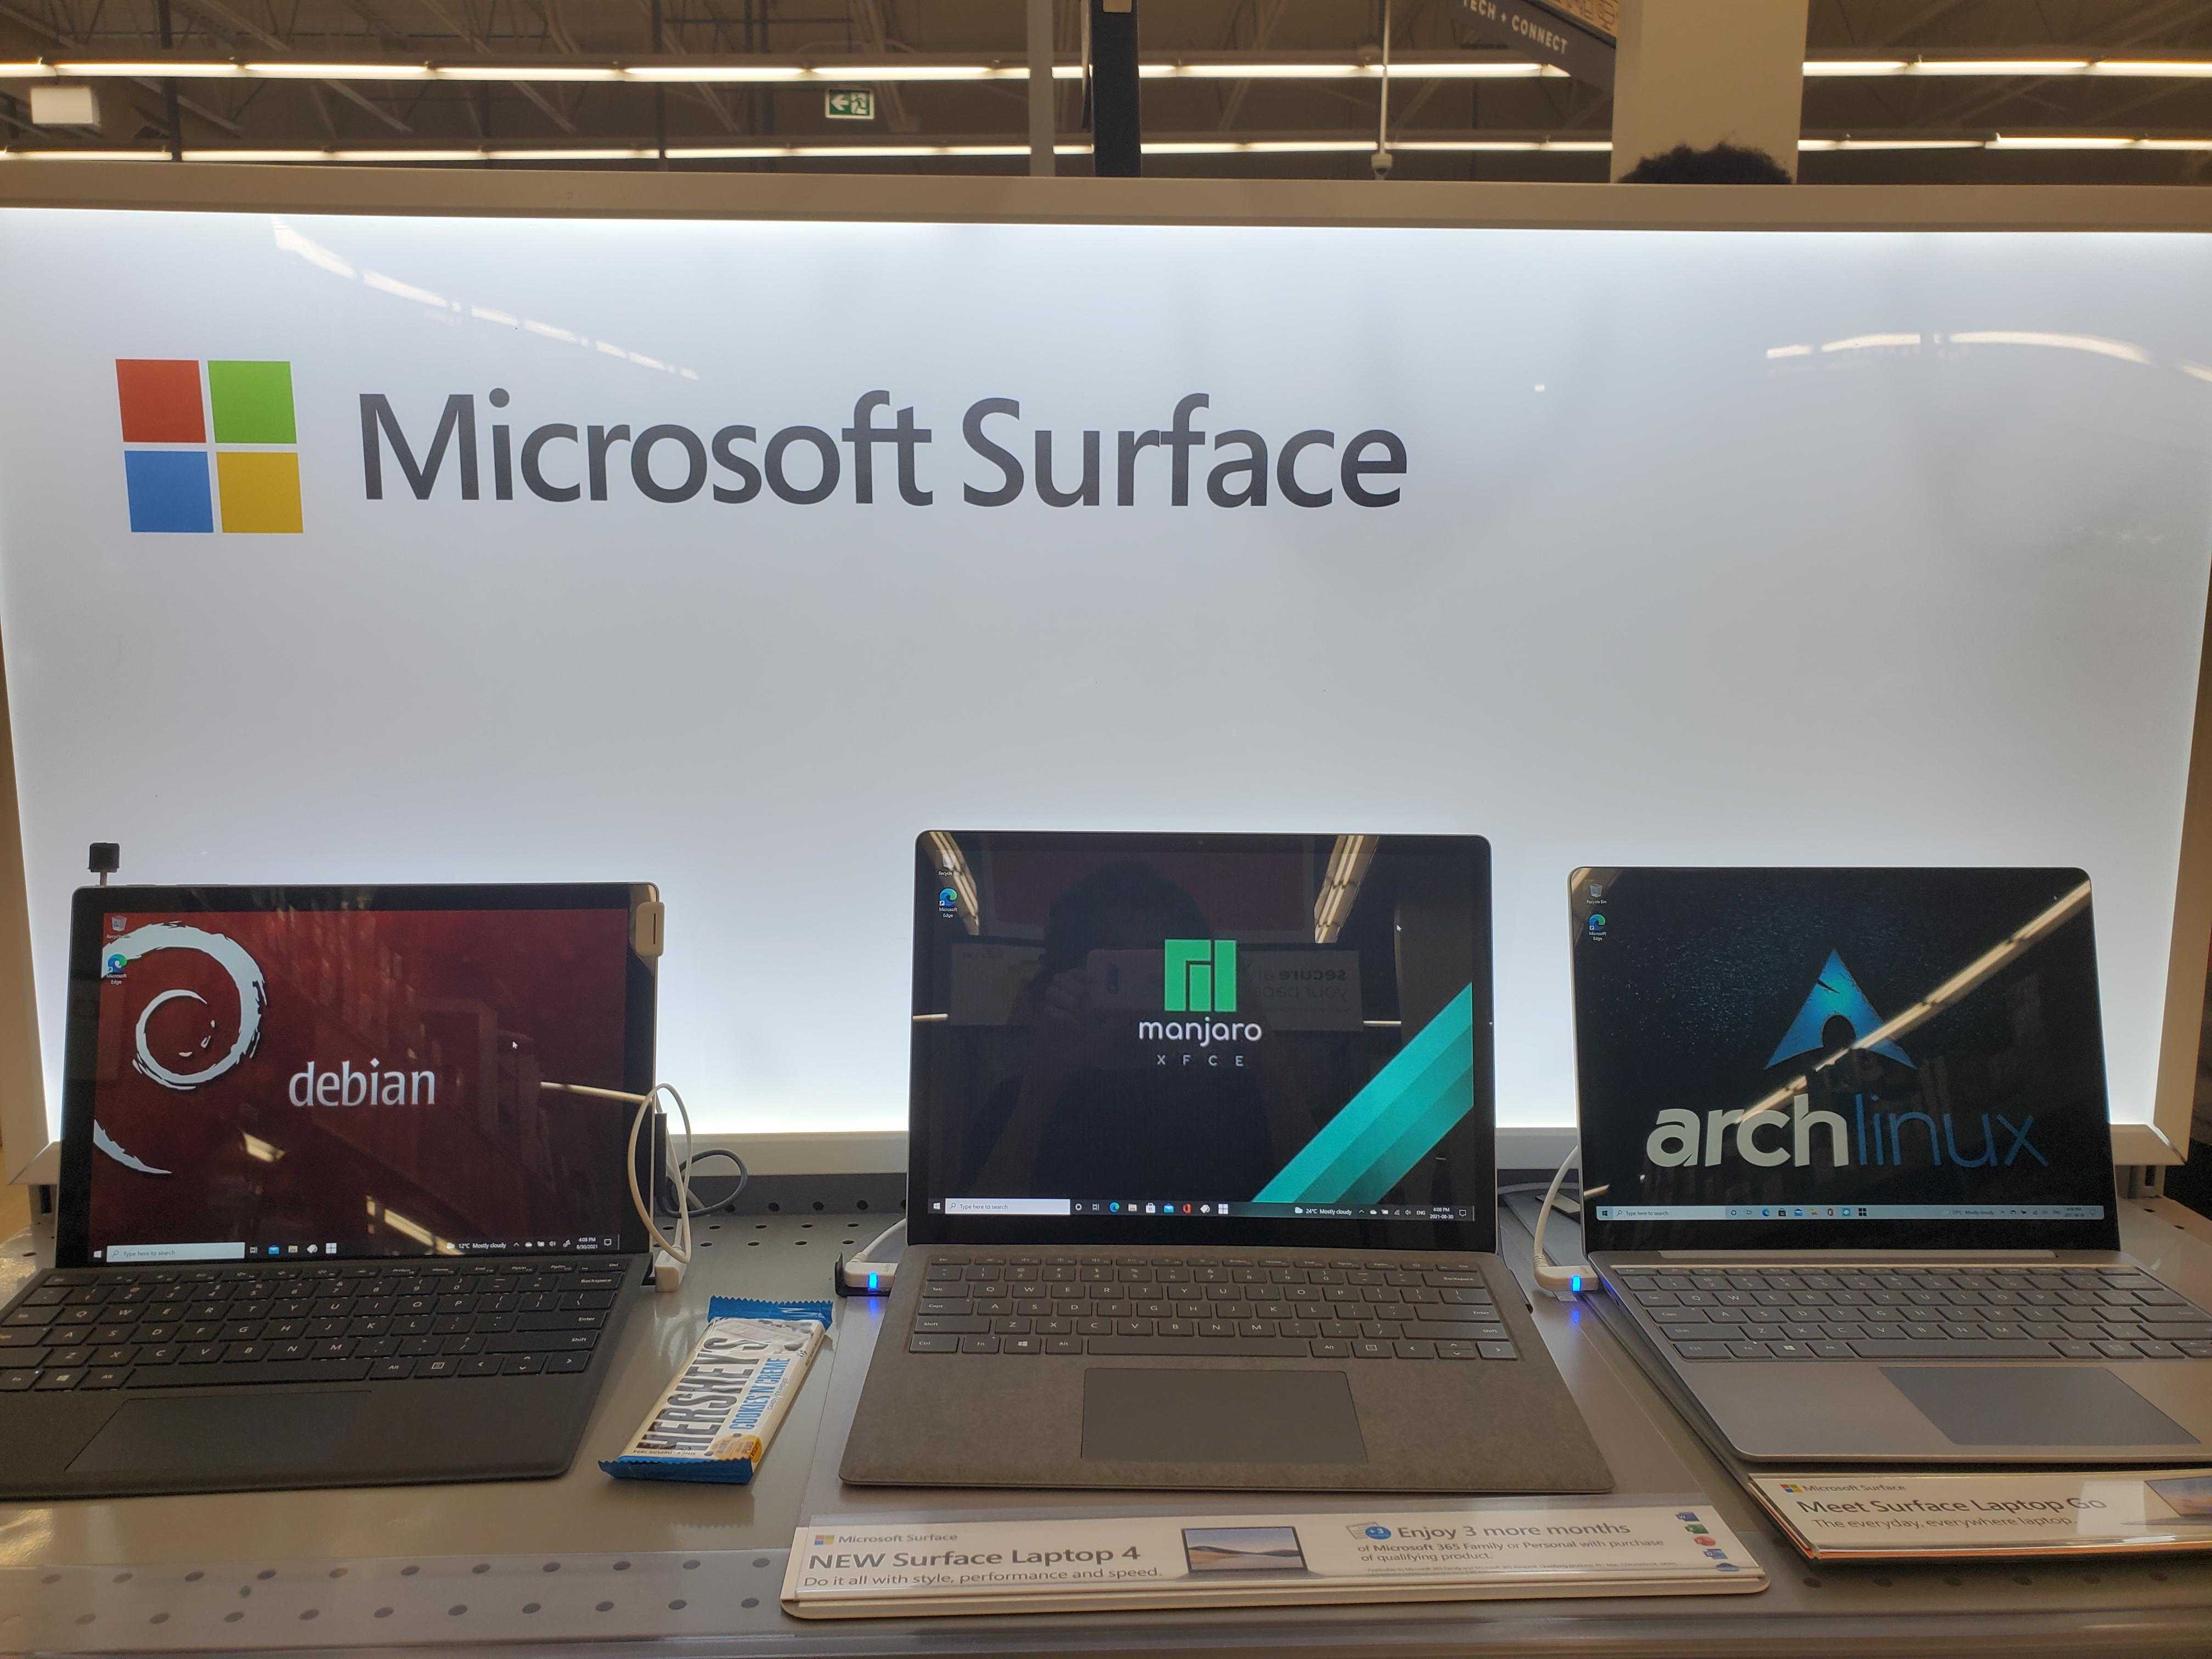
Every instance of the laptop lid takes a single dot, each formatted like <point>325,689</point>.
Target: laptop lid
<point>1166,1039</point>
<point>1840,1059</point>
<point>310,1073</point>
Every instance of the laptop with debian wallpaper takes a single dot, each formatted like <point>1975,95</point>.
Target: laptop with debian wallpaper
<point>1202,1177</point>
<point>310,1165</point>
<point>1848,1169</point>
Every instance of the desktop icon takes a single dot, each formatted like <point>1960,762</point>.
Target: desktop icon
<point>1114,1207</point>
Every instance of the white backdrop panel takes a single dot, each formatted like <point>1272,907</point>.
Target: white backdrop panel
<point>1713,548</point>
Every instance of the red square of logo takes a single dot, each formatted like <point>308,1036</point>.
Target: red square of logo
<point>160,399</point>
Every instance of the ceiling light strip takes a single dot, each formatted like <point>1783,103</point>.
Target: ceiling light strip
<point>702,71</point>
<point>910,149</point>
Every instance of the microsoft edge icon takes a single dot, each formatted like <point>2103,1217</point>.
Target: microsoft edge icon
<point>947,900</point>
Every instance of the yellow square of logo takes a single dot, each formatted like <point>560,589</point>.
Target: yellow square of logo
<point>260,491</point>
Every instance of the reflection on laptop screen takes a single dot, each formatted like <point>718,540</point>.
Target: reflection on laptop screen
<point>311,1083</point>
<point>1128,1028</point>
<point>1913,1053</point>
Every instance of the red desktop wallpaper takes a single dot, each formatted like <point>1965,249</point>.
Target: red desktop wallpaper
<point>389,1099</point>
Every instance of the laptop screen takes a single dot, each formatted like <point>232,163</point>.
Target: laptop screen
<point>305,1073</point>
<point>1856,1059</point>
<point>1165,1039</point>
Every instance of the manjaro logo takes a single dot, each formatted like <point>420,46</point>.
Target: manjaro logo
<point>1200,975</point>
<point>209,446</point>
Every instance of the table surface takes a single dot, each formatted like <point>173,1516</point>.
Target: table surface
<point>638,1564</point>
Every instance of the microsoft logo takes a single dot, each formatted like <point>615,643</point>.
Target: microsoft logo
<point>166,404</point>
<point>1200,975</point>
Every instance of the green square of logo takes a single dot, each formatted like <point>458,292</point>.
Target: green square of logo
<point>252,403</point>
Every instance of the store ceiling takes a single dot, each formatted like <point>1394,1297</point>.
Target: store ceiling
<point>459,117</point>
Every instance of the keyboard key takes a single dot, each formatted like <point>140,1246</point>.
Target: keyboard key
<point>567,1362</point>
<point>1496,1332</point>
<point>979,1345</point>
<point>482,1365</point>
<point>1199,1346</point>
<point>923,1343</point>
<point>1701,1350</point>
<point>199,1376</point>
<point>107,1376</point>
<point>1911,1348</point>
<point>1497,1351</point>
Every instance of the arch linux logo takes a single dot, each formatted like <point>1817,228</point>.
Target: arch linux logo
<point>175,480</point>
<point>1835,994</point>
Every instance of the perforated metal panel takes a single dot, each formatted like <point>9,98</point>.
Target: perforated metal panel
<point>392,1602</point>
<point>592,1563</point>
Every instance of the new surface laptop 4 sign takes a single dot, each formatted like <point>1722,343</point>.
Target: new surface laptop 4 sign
<point>721,553</point>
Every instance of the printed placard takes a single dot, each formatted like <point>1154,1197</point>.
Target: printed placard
<point>2035,1513</point>
<point>839,1571</point>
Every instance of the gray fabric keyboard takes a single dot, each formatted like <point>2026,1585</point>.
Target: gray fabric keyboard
<point>1720,1314</point>
<point>1233,1305</point>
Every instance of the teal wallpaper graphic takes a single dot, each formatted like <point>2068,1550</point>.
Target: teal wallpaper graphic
<point>1367,1148</point>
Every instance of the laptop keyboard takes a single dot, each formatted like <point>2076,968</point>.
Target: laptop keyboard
<point>198,1326</point>
<point>1918,1313</point>
<point>1231,1306</point>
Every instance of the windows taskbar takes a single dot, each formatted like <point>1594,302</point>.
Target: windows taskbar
<point>1140,1208</point>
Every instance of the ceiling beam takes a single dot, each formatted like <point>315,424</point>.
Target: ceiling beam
<point>221,16</point>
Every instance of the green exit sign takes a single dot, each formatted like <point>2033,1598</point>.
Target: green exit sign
<point>850,106</point>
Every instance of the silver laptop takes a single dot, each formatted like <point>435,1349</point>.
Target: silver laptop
<point>1847,1167</point>
<point>1202,1186</point>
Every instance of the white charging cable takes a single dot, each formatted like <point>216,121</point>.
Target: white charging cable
<point>675,1254</point>
<point>1566,1283</point>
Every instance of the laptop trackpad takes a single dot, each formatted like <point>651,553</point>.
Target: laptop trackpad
<point>2035,1405</point>
<point>1144,1416</point>
<point>221,1434</point>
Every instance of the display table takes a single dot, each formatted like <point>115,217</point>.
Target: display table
<point>585,1558</point>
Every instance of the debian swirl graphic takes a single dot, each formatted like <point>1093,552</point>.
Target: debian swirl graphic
<point>252,999</point>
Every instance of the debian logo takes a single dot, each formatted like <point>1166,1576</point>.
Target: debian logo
<point>208,447</point>
<point>200,1043</point>
<point>1199,975</point>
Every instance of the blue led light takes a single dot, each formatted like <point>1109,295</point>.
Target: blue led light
<point>1575,1283</point>
<point>871,1282</point>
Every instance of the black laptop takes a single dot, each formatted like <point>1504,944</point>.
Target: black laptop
<point>320,1224</point>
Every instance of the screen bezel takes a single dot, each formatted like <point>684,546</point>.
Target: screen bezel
<point>1809,1235</point>
<point>73,1216</point>
<point>924,1186</point>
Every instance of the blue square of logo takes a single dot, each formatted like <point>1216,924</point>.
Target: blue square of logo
<point>168,490</point>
